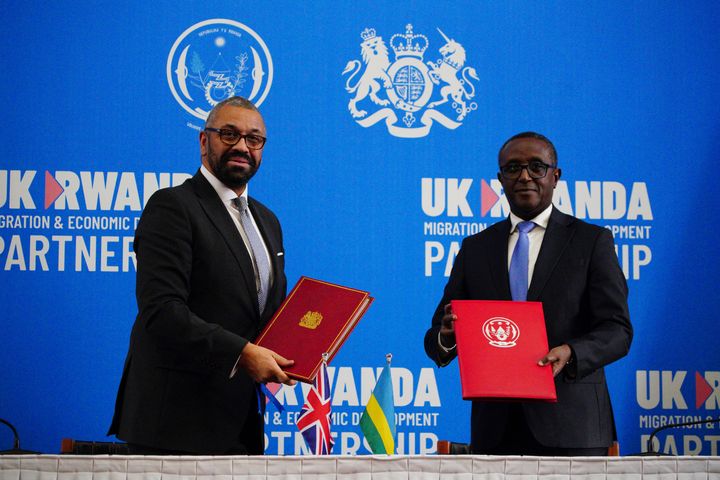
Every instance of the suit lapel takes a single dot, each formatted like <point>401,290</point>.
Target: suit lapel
<point>557,237</point>
<point>219,216</point>
<point>273,244</point>
<point>498,259</point>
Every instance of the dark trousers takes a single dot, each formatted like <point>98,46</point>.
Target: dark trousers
<point>519,440</point>
<point>251,441</point>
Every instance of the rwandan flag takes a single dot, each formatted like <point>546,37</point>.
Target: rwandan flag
<point>378,419</point>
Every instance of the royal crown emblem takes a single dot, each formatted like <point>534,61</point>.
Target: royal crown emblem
<point>409,44</point>
<point>407,85</point>
<point>311,320</point>
<point>501,332</point>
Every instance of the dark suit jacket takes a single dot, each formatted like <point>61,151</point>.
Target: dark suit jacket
<point>584,295</point>
<point>197,308</point>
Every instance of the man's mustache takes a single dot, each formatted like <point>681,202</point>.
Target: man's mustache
<point>239,155</point>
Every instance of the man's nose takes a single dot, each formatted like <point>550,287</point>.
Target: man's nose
<point>241,145</point>
<point>525,175</point>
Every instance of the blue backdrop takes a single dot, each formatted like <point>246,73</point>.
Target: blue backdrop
<point>103,101</point>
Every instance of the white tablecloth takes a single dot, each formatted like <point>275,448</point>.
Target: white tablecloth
<point>116,467</point>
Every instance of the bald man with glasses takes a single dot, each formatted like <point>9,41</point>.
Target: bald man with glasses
<point>210,274</point>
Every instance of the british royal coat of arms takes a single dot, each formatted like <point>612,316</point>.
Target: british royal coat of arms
<point>409,94</point>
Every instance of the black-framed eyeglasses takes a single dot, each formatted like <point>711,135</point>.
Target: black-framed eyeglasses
<point>231,137</point>
<point>536,169</point>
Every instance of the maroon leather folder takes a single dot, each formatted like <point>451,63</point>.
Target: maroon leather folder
<point>499,344</point>
<point>315,318</point>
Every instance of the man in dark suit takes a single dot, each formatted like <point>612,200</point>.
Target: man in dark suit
<point>210,274</point>
<point>571,267</point>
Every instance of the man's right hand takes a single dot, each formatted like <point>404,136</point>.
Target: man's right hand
<point>447,327</point>
<point>264,365</point>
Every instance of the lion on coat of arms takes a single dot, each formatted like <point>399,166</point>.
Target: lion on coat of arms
<point>375,55</point>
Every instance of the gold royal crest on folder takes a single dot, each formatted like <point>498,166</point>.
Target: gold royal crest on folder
<point>311,320</point>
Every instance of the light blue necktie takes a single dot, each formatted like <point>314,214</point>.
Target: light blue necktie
<point>519,263</point>
<point>258,250</point>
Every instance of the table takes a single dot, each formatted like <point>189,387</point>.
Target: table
<point>452,467</point>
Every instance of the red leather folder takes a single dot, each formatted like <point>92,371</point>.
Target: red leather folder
<point>315,318</point>
<point>499,344</point>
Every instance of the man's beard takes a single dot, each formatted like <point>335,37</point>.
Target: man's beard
<point>232,176</point>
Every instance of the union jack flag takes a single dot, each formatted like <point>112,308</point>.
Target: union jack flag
<point>314,420</point>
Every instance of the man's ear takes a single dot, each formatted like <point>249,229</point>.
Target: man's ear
<point>203,143</point>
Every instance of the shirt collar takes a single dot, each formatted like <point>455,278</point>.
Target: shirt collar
<point>225,193</point>
<point>541,220</point>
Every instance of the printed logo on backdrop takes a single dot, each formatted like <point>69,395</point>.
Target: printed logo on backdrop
<point>73,220</point>
<point>409,94</point>
<point>455,208</point>
<point>217,59</point>
<point>672,397</point>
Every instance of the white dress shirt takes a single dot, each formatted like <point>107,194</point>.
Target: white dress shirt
<point>535,236</point>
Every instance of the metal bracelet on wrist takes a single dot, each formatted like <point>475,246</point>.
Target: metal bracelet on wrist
<point>443,347</point>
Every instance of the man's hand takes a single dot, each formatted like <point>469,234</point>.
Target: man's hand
<point>264,365</point>
<point>447,328</point>
<point>558,357</point>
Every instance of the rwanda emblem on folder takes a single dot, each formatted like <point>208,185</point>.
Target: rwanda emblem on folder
<point>315,318</point>
<point>499,344</point>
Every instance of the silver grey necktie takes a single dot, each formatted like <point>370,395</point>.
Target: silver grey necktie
<point>258,250</point>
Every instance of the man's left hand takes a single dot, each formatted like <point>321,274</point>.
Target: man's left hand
<point>558,357</point>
